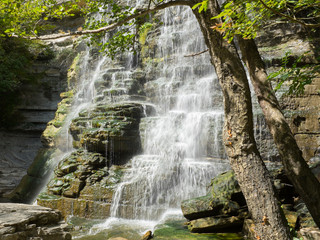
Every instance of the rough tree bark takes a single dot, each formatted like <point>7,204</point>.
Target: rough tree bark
<point>294,164</point>
<point>239,139</point>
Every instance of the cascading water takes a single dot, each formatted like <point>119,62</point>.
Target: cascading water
<point>182,149</point>
<point>83,99</point>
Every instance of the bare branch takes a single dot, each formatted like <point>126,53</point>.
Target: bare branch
<point>289,17</point>
<point>196,54</point>
<point>117,24</point>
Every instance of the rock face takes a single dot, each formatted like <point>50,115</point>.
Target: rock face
<point>302,111</point>
<point>22,221</point>
<point>114,130</point>
<point>19,145</point>
<point>83,185</point>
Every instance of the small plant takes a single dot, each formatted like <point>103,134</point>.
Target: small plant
<point>298,75</point>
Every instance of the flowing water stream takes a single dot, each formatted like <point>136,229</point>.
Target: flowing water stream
<point>182,149</point>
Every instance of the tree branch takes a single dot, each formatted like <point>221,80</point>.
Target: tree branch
<point>117,24</point>
<point>289,17</point>
<point>196,54</point>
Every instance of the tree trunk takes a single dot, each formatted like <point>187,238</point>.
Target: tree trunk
<point>295,166</point>
<point>239,141</point>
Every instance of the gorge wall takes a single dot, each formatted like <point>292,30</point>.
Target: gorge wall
<point>19,145</point>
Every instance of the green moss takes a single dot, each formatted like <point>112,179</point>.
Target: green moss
<point>177,230</point>
<point>73,70</point>
<point>68,94</point>
<point>143,33</point>
<point>224,185</point>
<point>46,196</point>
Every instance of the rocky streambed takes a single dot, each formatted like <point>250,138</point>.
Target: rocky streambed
<point>23,221</point>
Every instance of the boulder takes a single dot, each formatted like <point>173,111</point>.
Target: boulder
<point>309,233</point>
<point>148,235</point>
<point>72,173</point>
<point>223,209</point>
<point>197,207</point>
<point>22,221</point>
<point>217,224</point>
<point>112,130</point>
<point>82,186</point>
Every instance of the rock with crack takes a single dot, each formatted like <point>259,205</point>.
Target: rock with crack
<point>23,221</point>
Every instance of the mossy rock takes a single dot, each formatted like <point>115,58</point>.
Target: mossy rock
<point>110,129</point>
<point>77,207</point>
<point>54,126</point>
<point>225,186</point>
<point>74,171</point>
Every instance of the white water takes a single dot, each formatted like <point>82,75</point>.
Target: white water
<point>182,146</point>
<point>182,149</point>
<point>83,99</point>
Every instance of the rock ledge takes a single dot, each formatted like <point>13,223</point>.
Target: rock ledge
<point>23,221</point>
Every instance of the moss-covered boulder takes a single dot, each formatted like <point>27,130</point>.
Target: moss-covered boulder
<point>83,185</point>
<point>112,130</point>
<point>223,209</point>
<point>217,224</point>
<point>73,173</point>
<point>177,230</point>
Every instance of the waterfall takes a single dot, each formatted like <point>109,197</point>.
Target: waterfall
<point>182,149</point>
<point>83,99</point>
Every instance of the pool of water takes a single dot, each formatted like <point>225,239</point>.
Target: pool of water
<point>171,227</point>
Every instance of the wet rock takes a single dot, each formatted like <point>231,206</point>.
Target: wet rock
<point>224,208</point>
<point>225,186</point>
<point>87,191</point>
<point>54,126</point>
<point>309,233</point>
<point>112,130</point>
<point>74,171</point>
<point>22,221</point>
<point>197,207</point>
<point>305,219</point>
<point>292,218</point>
<point>148,235</point>
<point>225,198</point>
<point>217,224</point>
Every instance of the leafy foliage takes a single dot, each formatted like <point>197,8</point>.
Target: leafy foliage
<point>245,18</point>
<point>101,13</point>
<point>25,18</point>
<point>296,74</point>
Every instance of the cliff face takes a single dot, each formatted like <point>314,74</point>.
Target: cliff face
<point>19,145</point>
<point>303,111</point>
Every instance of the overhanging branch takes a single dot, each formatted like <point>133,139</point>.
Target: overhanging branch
<point>289,17</point>
<point>117,24</point>
<point>196,54</point>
